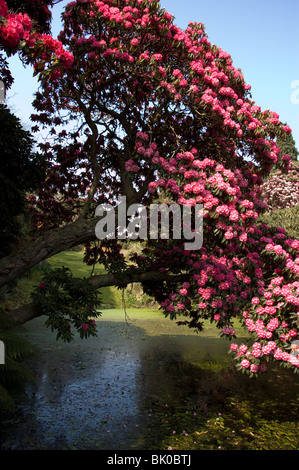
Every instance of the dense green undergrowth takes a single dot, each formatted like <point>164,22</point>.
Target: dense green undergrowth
<point>259,415</point>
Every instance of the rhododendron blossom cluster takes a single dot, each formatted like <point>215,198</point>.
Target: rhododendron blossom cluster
<point>14,27</point>
<point>17,32</point>
<point>282,191</point>
<point>161,115</point>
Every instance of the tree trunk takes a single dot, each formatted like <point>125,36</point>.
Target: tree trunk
<point>53,242</point>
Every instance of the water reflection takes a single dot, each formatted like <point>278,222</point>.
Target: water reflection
<point>85,394</point>
<point>122,389</point>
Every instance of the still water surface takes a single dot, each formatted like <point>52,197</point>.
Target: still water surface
<point>121,389</point>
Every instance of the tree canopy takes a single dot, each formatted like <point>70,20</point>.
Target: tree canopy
<point>137,107</point>
<point>20,173</point>
<point>288,147</point>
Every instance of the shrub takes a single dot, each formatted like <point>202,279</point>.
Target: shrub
<point>284,218</point>
<point>282,190</point>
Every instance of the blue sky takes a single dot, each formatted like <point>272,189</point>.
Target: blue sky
<point>262,36</point>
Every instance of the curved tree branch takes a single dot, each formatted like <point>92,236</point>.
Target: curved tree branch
<point>30,311</point>
<point>53,242</point>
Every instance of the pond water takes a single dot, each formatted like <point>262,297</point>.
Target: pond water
<point>143,383</point>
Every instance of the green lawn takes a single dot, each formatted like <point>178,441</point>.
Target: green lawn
<point>19,293</point>
<point>111,296</point>
<point>74,261</point>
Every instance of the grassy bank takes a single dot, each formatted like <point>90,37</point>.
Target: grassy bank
<point>19,292</point>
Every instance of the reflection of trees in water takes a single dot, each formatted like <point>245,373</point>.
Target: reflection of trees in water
<point>175,387</point>
<point>179,365</point>
<point>171,381</point>
<point>140,381</point>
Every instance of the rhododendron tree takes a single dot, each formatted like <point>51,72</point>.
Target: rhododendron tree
<point>282,191</point>
<point>145,110</point>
